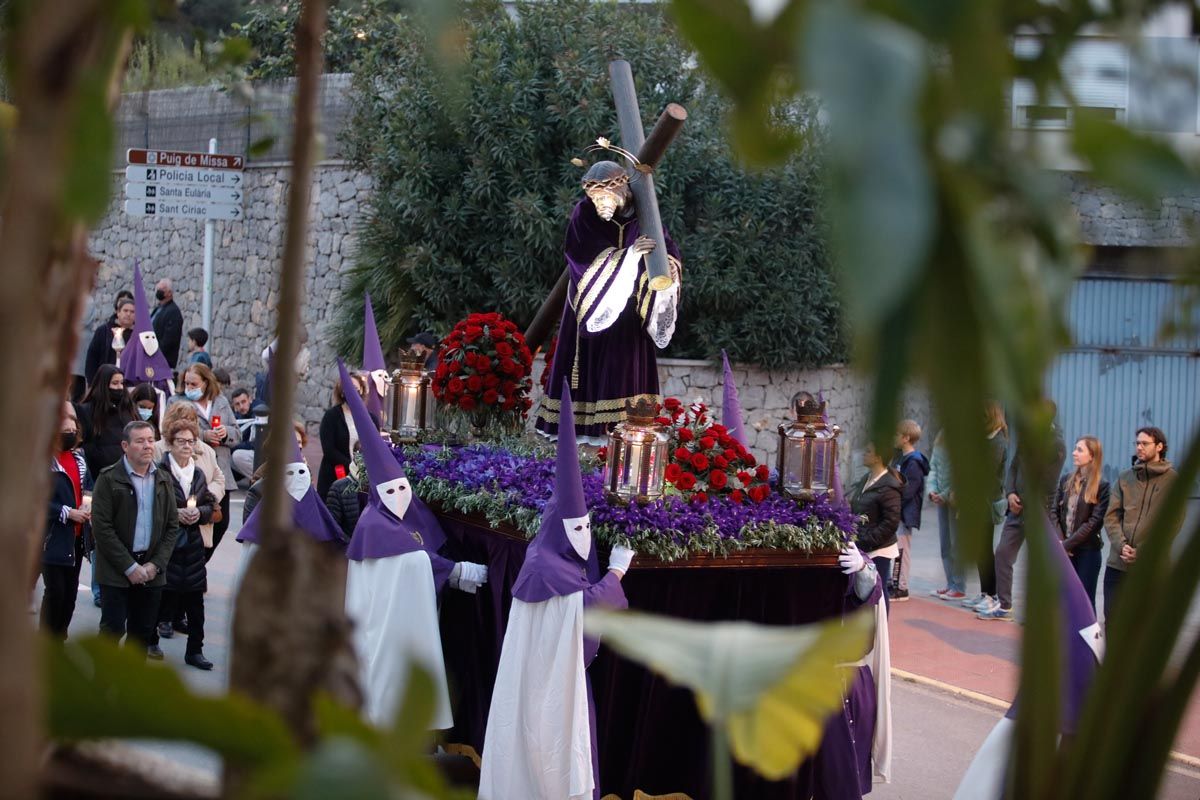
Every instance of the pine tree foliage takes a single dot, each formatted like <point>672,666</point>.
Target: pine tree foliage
<point>474,185</point>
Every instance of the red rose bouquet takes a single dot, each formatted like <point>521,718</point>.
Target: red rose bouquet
<point>707,461</point>
<point>483,372</point>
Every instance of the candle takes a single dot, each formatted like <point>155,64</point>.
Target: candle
<point>191,501</point>
<point>87,502</point>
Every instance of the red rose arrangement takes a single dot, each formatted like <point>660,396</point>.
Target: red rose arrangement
<point>484,369</point>
<point>707,461</point>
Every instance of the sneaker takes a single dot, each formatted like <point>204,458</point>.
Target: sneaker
<point>154,652</point>
<point>996,612</point>
<point>971,602</point>
<point>952,594</point>
<point>901,596</point>
<point>940,593</point>
<point>165,631</point>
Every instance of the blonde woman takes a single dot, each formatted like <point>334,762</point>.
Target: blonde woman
<point>1079,508</point>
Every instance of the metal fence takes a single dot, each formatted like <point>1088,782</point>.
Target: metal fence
<point>185,119</point>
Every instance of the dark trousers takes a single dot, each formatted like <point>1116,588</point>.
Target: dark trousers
<point>176,604</point>
<point>987,566</point>
<point>130,609</point>
<point>1012,536</point>
<point>1087,567</point>
<point>60,586</point>
<point>1112,588</point>
<point>219,528</point>
<point>884,567</point>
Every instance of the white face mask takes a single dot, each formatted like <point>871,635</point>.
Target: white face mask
<point>149,342</point>
<point>379,378</point>
<point>296,479</point>
<point>396,495</point>
<point>579,532</point>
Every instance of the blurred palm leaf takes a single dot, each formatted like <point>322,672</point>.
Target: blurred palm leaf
<point>771,689</point>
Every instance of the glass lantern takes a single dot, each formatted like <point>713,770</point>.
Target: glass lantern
<point>408,407</point>
<point>638,451</point>
<point>807,452</point>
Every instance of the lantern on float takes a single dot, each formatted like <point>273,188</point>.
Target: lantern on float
<point>807,451</point>
<point>638,450</point>
<point>408,406</point>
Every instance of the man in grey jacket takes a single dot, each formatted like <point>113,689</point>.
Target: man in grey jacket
<point>1133,503</point>
<point>135,524</point>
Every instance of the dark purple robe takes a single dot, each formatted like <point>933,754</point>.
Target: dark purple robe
<point>309,515</point>
<point>618,364</point>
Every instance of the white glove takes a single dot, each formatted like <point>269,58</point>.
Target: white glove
<point>851,560</point>
<point>620,558</point>
<point>468,576</point>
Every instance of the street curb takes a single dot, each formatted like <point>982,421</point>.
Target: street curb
<point>1183,759</point>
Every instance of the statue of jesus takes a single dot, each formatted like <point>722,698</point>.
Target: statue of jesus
<point>612,320</point>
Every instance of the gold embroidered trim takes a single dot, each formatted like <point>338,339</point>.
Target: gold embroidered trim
<point>585,407</point>
<point>464,750</point>
<point>609,259</point>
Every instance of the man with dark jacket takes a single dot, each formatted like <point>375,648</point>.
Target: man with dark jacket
<point>168,322</point>
<point>913,467</point>
<point>1133,502</point>
<point>1012,536</point>
<point>134,523</point>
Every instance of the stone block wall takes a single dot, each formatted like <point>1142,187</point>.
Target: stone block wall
<point>245,269</point>
<point>766,396</point>
<point>1108,218</point>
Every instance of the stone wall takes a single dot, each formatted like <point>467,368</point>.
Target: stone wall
<point>245,269</point>
<point>1108,218</point>
<point>766,396</point>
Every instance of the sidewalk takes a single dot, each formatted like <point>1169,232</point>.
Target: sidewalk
<point>945,643</point>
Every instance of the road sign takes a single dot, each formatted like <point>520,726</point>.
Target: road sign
<point>172,191</point>
<point>182,209</point>
<point>176,158</point>
<point>184,176</point>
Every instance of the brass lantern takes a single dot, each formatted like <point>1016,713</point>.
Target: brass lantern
<point>638,450</point>
<point>408,407</point>
<point>807,452</point>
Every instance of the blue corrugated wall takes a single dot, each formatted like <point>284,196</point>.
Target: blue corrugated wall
<point>1120,374</point>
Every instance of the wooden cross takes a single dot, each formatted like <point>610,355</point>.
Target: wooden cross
<point>650,151</point>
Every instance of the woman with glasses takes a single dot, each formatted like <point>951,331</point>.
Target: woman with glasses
<point>187,576</point>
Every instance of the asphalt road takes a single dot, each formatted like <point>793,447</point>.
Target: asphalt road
<point>935,734</point>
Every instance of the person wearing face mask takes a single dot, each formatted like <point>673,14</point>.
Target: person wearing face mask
<point>146,403</point>
<point>118,328</point>
<point>541,728</point>
<point>393,579</point>
<point>217,429</point>
<point>168,321</point>
<point>308,512</point>
<point>612,322</point>
<point>187,576</point>
<point>143,360</point>
<point>69,516</point>
<point>103,414</point>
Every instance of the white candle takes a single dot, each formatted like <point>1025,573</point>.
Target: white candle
<point>87,502</point>
<point>191,502</point>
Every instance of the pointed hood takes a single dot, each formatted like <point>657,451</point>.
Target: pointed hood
<point>395,520</point>
<point>731,408</point>
<point>561,559</point>
<point>309,514</point>
<point>142,360</point>
<point>372,361</point>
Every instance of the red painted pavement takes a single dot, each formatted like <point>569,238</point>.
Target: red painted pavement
<point>945,642</point>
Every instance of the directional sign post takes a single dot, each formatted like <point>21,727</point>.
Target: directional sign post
<point>185,185</point>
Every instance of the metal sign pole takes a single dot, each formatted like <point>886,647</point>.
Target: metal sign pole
<point>206,300</point>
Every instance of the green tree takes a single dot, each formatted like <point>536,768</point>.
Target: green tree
<point>474,183</point>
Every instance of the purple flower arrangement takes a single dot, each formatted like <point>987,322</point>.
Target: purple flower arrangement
<point>512,484</point>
